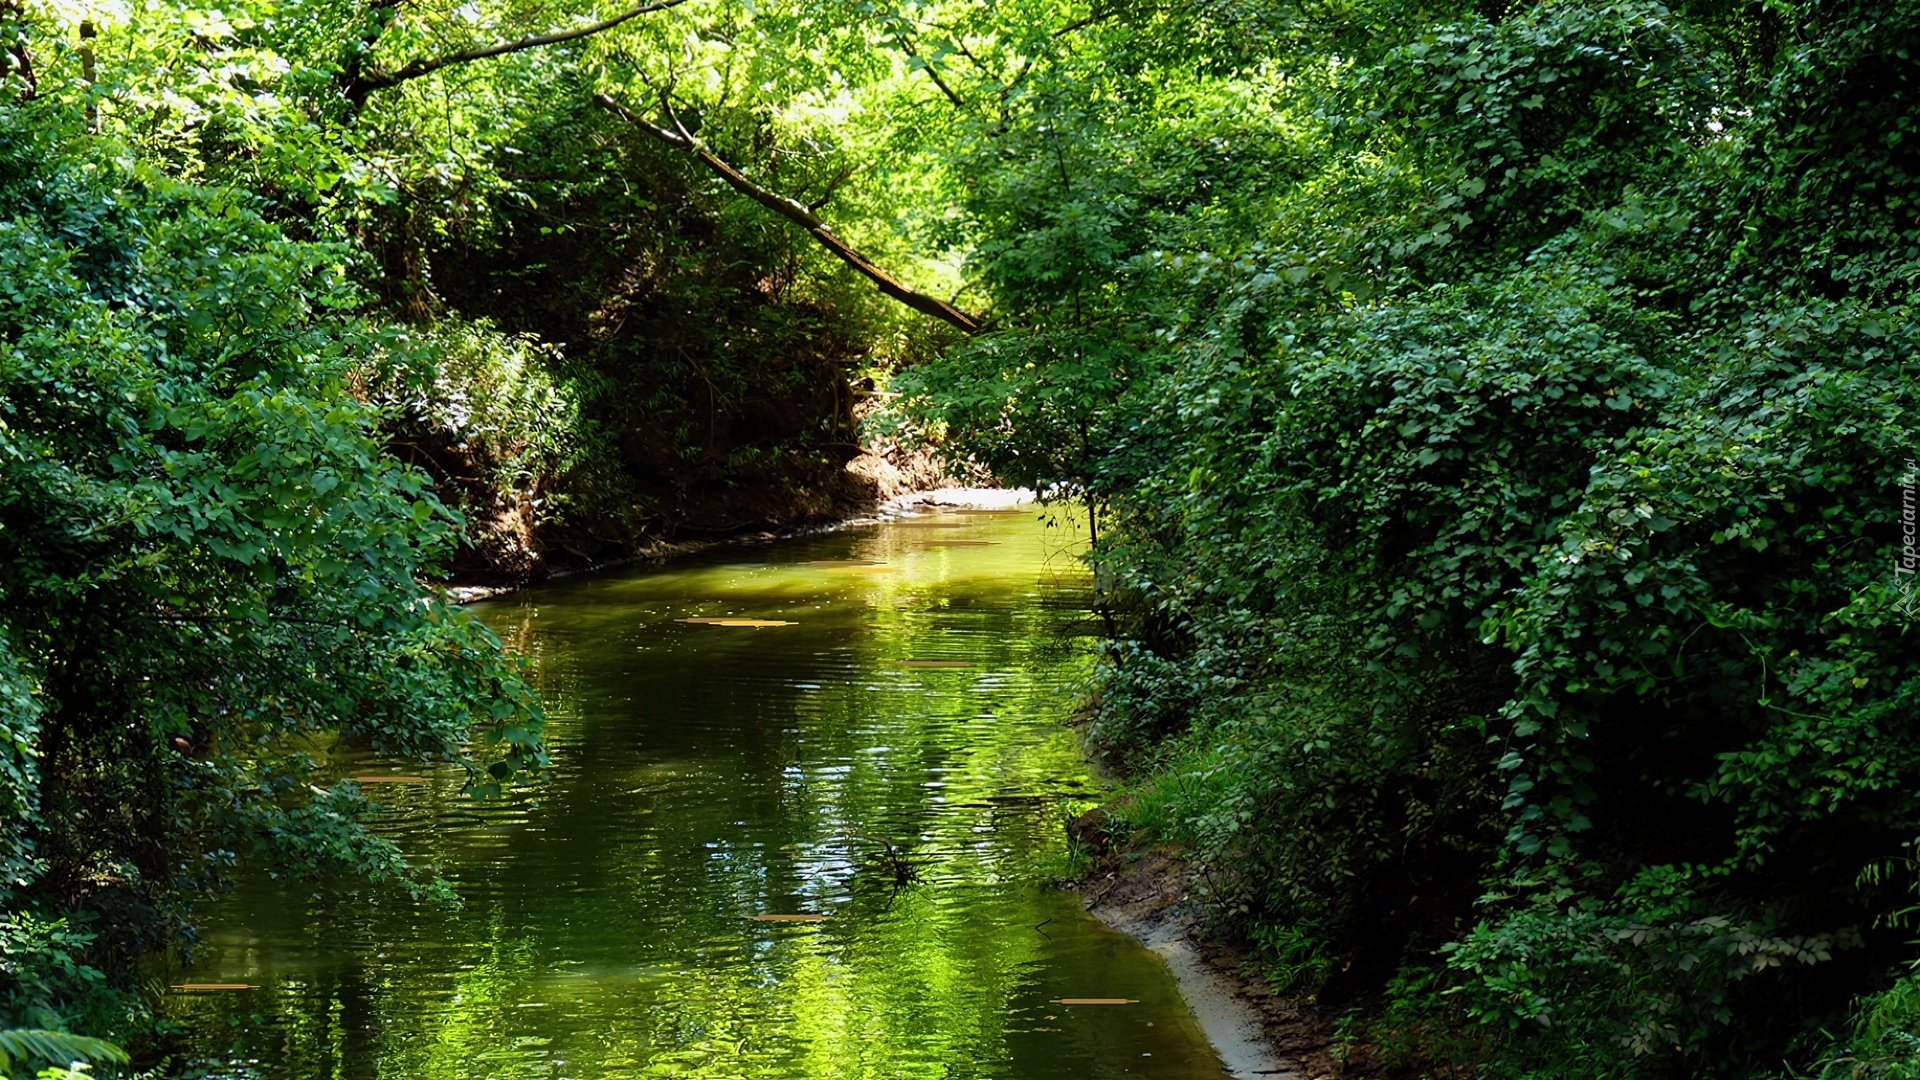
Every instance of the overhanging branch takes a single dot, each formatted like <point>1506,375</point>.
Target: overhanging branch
<point>932,72</point>
<point>361,85</point>
<point>800,215</point>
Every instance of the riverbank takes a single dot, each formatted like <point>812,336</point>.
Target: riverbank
<point>1143,894</point>
<point>888,509</point>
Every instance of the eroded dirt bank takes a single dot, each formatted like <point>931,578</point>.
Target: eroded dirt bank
<point>513,538</point>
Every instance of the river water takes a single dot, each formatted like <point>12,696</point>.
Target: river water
<point>708,776</point>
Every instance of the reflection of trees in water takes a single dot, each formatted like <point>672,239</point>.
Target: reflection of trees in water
<point>708,775</point>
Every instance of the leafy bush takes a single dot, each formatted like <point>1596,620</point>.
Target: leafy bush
<point>1884,1043</point>
<point>491,395</point>
<point>1502,498</point>
<point>208,568</point>
<point>483,413</point>
<point>67,1054</point>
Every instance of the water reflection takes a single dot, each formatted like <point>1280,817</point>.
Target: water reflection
<point>863,727</point>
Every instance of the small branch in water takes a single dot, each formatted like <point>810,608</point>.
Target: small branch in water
<point>904,872</point>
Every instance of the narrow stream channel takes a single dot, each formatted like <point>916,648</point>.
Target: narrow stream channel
<point>707,775</point>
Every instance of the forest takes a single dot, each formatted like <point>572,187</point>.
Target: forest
<point>1498,420</point>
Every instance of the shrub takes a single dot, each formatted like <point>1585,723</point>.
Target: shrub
<point>208,568</point>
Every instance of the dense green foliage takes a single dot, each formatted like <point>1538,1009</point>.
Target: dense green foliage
<point>62,1050</point>
<point>209,572</point>
<point>1500,417</point>
<point>694,354</point>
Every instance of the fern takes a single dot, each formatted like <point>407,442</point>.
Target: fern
<point>26,1044</point>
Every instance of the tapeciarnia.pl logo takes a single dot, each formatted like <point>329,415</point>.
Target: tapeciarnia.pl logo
<point>1908,558</point>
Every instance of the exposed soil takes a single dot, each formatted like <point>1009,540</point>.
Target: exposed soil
<point>1143,894</point>
<point>510,545</point>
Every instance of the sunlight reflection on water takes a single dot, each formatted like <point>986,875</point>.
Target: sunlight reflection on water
<point>702,887</point>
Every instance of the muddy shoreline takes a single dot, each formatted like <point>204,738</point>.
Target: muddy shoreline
<point>1143,894</point>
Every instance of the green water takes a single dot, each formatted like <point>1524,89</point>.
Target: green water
<point>708,774</point>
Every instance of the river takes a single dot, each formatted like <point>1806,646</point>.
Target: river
<point>703,886</point>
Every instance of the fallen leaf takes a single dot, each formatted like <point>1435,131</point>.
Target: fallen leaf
<point>1094,1001</point>
<point>389,779</point>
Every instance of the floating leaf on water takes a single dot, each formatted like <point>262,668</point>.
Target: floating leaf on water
<point>863,568</point>
<point>935,663</point>
<point>200,987</point>
<point>842,562</point>
<point>1094,1001</point>
<point>739,622</point>
<point>388,779</point>
<point>934,524</point>
<point>789,918</point>
<point>960,543</point>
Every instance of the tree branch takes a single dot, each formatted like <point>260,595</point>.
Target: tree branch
<point>1081,24</point>
<point>360,85</point>
<point>798,214</point>
<point>833,185</point>
<point>927,65</point>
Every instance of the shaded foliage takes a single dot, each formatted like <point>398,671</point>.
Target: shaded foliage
<point>1502,491</point>
<point>209,571</point>
<point>712,368</point>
